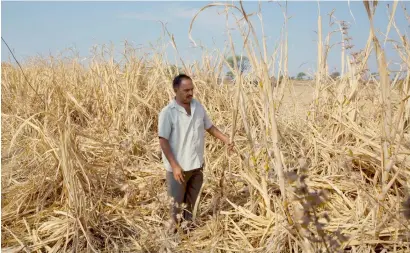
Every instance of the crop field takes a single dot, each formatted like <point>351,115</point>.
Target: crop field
<point>320,165</point>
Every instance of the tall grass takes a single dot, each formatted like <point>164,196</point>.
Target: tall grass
<point>82,171</point>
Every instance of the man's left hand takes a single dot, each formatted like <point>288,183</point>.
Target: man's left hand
<point>230,146</point>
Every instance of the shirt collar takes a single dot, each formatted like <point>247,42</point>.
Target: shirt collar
<point>175,105</point>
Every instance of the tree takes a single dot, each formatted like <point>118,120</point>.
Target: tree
<point>242,65</point>
<point>300,76</point>
<point>335,75</point>
<point>281,78</point>
<point>375,75</point>
<point>229,74</point>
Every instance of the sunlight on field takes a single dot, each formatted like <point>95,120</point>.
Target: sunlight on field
<point>321,166</point>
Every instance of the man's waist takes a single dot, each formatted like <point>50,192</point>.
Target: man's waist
<point>186,167</point>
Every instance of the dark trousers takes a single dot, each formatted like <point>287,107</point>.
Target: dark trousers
<point>184,195</point>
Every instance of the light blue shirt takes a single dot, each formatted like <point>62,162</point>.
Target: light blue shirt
<point>185,133</point>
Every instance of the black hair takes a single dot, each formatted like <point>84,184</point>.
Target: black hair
<point>178,79</point>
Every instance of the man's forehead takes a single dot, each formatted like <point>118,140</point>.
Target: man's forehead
<point>186,83</point>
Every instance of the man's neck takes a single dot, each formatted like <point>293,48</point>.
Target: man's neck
<point>181,103</point>
<point>187,107</point>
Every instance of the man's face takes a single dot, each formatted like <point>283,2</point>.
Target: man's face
<point>185,92</point>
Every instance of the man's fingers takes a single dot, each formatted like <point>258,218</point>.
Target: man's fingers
<point>231,149</point>
<point>179,178</point>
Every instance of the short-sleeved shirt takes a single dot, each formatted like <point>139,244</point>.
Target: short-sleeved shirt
<point>185,133</point>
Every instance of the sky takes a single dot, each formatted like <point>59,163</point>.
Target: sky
<point>50,28</point>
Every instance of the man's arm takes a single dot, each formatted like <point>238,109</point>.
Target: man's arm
<point>176,168</point>
<point>166,148</point>
<point>218,134</point>
<point>211,129</point>
<point>164,133</point>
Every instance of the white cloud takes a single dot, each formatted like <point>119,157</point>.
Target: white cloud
<point>209,27</point>
<point>170,13</point>
<point>183,12</point>
<point>142,16</point>
<point>178,12</point>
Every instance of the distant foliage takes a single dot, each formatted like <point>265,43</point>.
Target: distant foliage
<point>301,76</point>
<point>335,75</point>
<point>241,62</point>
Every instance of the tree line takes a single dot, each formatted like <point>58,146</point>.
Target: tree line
<point>243,65</point>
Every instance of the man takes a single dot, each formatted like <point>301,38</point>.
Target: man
<point>181,126</point>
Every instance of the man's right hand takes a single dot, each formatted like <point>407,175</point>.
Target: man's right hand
<point>178,174</point>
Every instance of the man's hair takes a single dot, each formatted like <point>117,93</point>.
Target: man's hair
<point>178,79</point>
